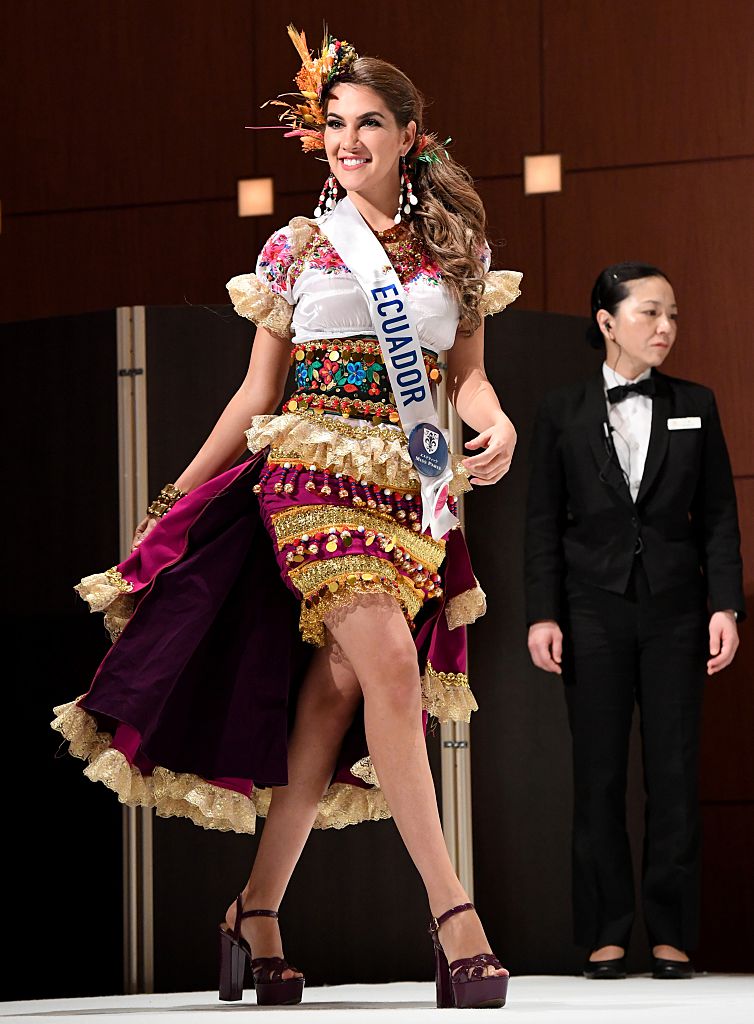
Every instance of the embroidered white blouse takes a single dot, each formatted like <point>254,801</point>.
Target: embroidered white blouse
<point>302,290</point>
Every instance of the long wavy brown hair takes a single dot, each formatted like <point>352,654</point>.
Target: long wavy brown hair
<point>449,219</point>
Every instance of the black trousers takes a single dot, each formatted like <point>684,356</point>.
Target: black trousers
<point>621,649</point>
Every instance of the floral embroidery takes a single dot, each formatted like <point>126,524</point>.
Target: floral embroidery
<point>274,261</point>
<point>429,272</point>
<point>279,268</point>
<point>409,257</point>
<point>318,254</point>
<point>324,257</point>
<point>356,373</point>
<point>411,261</point>
<point>349,378</point>
<point>337,373</point>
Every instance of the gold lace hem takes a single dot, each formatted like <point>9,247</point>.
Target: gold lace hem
<point>500,289</point>
<point>465,608</point>
<point>447,696</point>
<point>348,587</point>
<point>364,770</point>
<point>184,795</point>
<point>101,588</point>
<point>257,302</point>
<point>380,456</point>
<point>108,592</point>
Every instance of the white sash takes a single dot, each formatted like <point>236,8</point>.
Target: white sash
<point>390,310</point>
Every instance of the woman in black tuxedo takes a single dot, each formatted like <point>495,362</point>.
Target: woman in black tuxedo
<point>633,589</point>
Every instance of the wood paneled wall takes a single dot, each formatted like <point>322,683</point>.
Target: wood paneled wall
<point>122,140</point>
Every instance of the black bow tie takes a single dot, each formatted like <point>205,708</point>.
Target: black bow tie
<point>642,387</point>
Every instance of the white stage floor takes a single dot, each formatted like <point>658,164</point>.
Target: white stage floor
<point>707,999</point>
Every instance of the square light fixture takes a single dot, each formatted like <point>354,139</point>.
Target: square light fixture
<point>542,174</point>
<point>255,197</point>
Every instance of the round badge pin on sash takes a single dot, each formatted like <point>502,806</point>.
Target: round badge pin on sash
<point>428,450</point>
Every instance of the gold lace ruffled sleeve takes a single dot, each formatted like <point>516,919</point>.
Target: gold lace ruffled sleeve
<point>501,287</point>
<point>257,302</point>
<point>301,230</point>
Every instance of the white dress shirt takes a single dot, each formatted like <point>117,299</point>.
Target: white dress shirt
<point>631,421</point>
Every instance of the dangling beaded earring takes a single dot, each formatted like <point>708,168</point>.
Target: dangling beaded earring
<point>328,196</point>
<point>406,199</point>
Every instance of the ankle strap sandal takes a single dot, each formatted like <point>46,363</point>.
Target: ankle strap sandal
<point>267,971</point>
<point>464,983</point>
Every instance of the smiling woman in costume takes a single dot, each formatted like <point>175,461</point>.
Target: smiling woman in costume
<point>333,547</point>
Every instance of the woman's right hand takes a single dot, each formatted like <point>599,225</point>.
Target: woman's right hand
<point>546,646</point>
<point>143,530</point>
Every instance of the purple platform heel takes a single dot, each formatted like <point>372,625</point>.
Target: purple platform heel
<point>267,971</point>
<point>463,983</point>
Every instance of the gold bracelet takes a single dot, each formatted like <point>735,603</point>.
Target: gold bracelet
<point>165,501</point>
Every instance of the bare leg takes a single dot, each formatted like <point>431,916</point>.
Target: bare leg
<point>385,663</point>
<point>326,704</point>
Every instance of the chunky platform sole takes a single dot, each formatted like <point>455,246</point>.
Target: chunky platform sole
<point>233,960</point>
<point>467,994</point>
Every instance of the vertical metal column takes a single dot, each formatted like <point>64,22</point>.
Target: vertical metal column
<point>455,737</point>
<point>138,908</point>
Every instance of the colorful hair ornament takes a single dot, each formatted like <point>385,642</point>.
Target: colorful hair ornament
<point>428,149</point>
<point>304,117</point>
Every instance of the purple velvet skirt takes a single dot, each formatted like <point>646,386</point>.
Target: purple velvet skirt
<point>214,616</point>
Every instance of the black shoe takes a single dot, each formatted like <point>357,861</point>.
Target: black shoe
<point>607,969</point>
<point>672,968</point>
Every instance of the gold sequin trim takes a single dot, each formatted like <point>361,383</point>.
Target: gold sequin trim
<point>342,589</point>
<point>292,523</point>
<point>351,430</point>
<point>500,289</point>
<point>185,795</point>
<point>116,578</point>
<point>448,678</point>
<point>257,302</point>
<point>312,619</point>
<point>310,578</point>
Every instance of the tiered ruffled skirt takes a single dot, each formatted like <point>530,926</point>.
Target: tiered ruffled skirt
<point>213,619</point>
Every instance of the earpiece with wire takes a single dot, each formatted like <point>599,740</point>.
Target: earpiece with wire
<point>612,454</point>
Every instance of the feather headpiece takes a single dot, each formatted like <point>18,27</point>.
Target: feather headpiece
<point>302,111</point>
<point>304,116</point>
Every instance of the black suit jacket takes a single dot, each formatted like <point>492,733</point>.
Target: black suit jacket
<point>582,522</point>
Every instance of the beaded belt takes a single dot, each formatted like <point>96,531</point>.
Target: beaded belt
<point>347,377</point>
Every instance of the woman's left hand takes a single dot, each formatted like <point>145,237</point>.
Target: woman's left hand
<point>723,641</point>
<point>498,442</point>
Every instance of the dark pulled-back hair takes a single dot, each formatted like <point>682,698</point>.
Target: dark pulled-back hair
<point>610,290</point>
<point>450,219</point>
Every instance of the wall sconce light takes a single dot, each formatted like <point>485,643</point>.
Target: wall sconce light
<point>255,197</point>
<point>542,174</point>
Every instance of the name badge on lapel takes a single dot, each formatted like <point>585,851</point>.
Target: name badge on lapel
<point>685,423</point>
